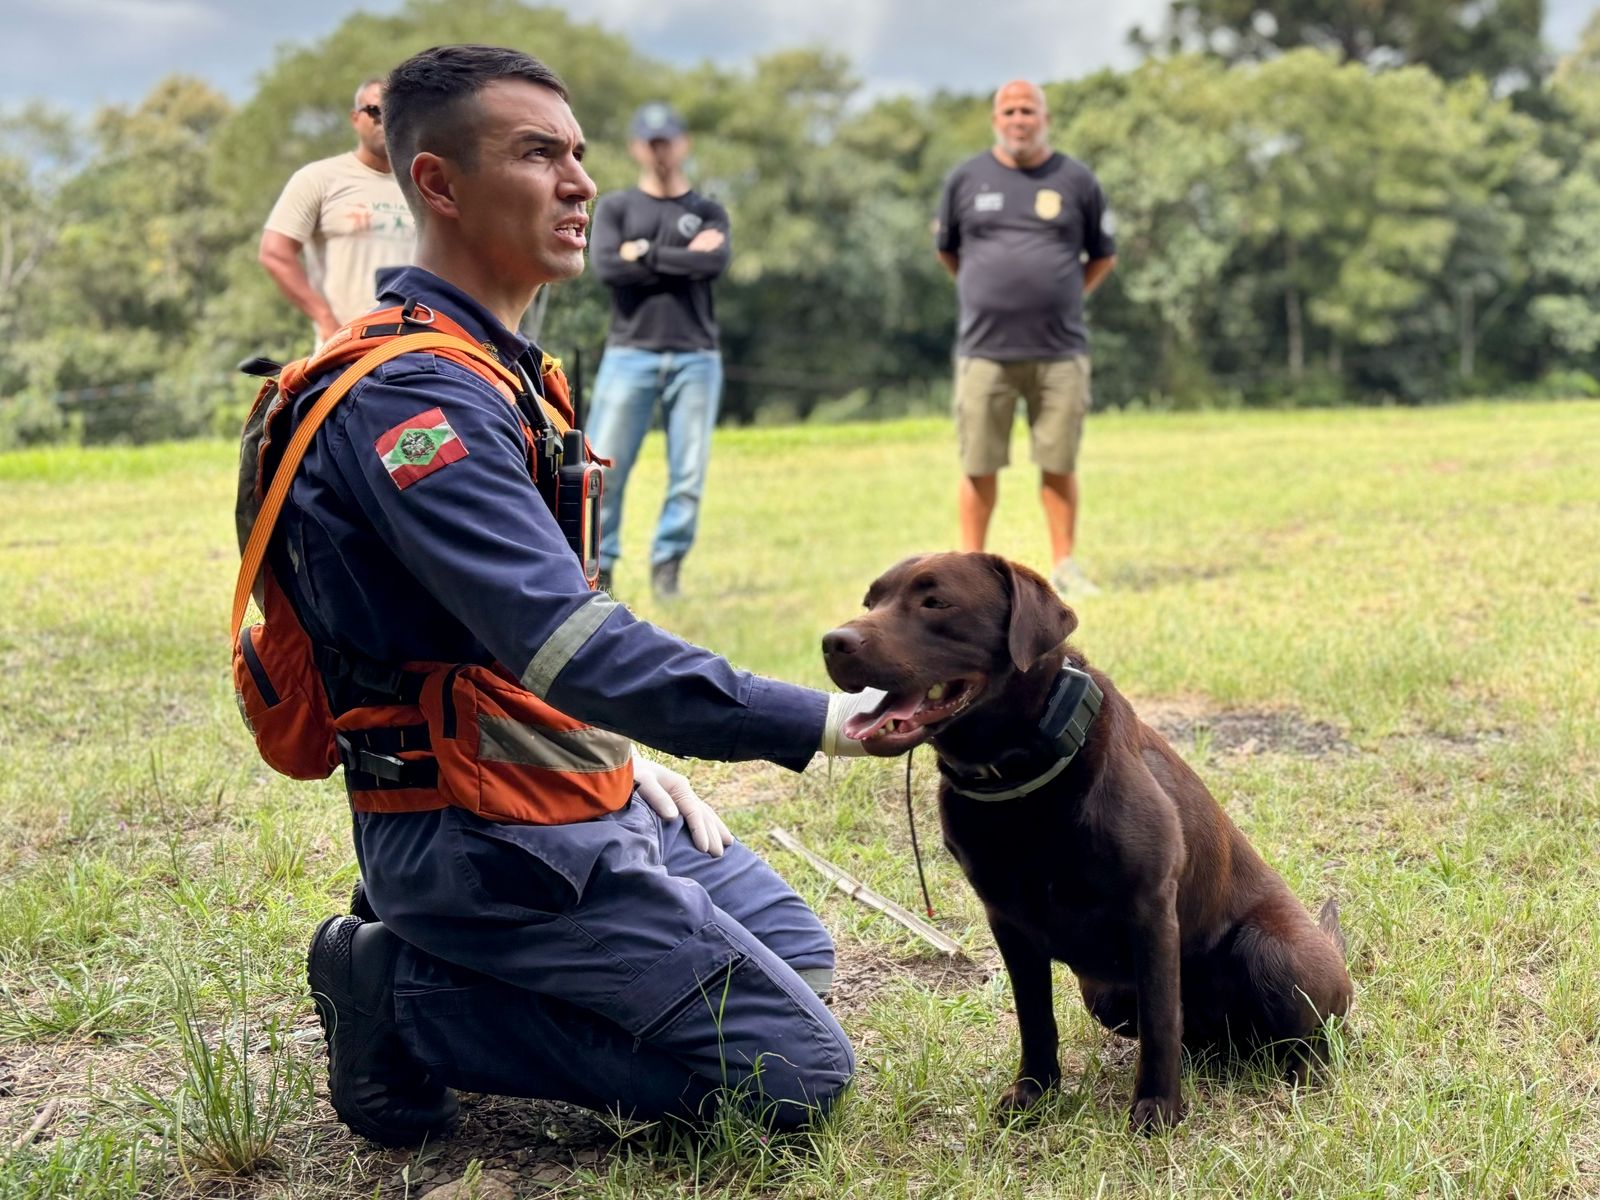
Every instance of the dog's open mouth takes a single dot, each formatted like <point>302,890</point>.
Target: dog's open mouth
<point>905,719</point>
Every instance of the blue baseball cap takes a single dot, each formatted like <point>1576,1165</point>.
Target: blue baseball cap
<point>657,120</point>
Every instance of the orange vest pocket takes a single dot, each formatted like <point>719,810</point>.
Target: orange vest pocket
<point>283,705</point>
<point>506,755</point>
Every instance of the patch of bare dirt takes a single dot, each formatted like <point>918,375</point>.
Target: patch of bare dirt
<point>1146,577</point>
<point>534,1145</point>
<point>1244,732</point>
<point>863,972</point>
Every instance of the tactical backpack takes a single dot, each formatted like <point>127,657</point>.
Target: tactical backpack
<point>425,735</point>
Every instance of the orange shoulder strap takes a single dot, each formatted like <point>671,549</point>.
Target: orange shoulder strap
<point>261,532</point>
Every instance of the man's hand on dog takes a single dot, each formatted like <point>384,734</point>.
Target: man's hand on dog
<point>671,796</point>
<point>841,707</point>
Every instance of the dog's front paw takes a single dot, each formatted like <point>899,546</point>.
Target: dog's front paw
<point>1155,1113</point>
<point>1023,1095</point>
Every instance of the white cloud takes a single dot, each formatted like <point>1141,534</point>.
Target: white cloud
<point>148,21</point>
<point>119,48</point>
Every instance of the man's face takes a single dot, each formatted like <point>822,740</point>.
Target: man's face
<point>369,129</point>
<point>1020,120</point>
<point>523,209</point>
<point>661,155</point>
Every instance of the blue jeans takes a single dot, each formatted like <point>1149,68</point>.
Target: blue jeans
<point>689,385</point>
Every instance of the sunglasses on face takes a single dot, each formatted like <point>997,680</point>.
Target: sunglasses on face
<point>373,111</point>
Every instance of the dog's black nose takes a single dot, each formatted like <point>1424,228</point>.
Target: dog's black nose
<point>843,640</point>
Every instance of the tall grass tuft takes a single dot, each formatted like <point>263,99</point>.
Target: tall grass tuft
<point>227,1111</point>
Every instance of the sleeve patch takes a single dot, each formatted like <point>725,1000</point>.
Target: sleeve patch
<point>416,448</point>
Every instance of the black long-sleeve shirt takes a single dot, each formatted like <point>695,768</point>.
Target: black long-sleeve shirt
<point>662,301</point>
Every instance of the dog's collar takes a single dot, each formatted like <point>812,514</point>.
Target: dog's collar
<point>1068,716</point>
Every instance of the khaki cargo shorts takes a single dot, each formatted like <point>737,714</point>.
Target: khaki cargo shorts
<point>985,403</point>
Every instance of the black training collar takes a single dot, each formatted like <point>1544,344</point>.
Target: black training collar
<point>1068,716</point>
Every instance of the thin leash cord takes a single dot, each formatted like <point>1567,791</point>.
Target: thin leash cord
<point>916,851</point>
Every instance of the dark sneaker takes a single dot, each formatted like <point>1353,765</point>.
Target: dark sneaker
<point>377,1088</point>
<point>664,578</point>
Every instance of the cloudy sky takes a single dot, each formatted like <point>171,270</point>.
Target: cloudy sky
<point>80,53</point>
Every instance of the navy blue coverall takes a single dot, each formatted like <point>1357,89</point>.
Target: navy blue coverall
<point>606,962</point>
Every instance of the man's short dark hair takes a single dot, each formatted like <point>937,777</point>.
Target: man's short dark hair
<point>429,104</point>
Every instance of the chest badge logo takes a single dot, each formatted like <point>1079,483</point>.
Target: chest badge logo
<point>1047,204</point>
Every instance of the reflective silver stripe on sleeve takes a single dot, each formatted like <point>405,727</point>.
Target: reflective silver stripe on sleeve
<point>576,751</point>
<point>566,641</point>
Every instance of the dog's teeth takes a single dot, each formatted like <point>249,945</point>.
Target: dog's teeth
<point>936,692</point>
<point>888,726</point>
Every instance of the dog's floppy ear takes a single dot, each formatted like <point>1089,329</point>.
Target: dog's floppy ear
<point>1040,621</point>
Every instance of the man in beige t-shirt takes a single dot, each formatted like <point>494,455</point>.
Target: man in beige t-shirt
<point>347,214</point>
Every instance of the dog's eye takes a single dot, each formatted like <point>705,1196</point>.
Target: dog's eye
<point>933,602</point>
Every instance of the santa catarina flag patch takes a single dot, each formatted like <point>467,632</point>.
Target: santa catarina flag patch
<point>416,448</point>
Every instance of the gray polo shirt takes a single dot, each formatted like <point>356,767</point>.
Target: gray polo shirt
<point>1022,235</point>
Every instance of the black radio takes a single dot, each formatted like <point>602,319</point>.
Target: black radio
<point>578,488</point>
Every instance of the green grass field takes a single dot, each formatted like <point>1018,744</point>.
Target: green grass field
<point>1375,633</point>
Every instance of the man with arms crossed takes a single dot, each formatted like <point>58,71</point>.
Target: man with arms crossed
<point>1023,229</point>
<point>658,247</point>
<point>347,213</point>
<point>638,961</point>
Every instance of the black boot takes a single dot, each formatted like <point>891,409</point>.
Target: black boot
<point>377,1088</point>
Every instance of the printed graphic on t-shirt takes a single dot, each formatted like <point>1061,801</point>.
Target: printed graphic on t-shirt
<point>352,221</point>
<point>1047,204</point>
<point>988,202</point>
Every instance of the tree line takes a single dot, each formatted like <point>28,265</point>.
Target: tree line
<point>1309,210</point>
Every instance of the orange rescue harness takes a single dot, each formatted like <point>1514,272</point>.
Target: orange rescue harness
<point>425,735</point>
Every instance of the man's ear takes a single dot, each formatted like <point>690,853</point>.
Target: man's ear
<point>432,176</point>
<point>1040,621</point>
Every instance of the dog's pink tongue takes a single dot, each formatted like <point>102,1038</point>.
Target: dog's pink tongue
<point>893,708</point>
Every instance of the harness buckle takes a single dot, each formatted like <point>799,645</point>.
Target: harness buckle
<point>384,766</point>
<point>387,767</point>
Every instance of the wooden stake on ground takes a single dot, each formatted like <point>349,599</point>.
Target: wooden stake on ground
<point>46,1115</point>
<point>856,890</point>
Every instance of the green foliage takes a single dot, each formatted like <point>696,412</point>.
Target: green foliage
<point>1339,203</point>
<point>1453,38</point>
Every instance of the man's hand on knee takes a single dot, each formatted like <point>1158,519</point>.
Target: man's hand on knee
<point>671,796</point>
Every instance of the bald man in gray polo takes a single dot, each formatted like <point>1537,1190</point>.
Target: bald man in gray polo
<point>1025,232</point>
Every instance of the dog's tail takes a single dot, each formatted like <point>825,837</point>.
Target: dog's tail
<point>1328,922</point>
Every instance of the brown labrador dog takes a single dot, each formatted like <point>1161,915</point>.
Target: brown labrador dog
<point>1120,865</point>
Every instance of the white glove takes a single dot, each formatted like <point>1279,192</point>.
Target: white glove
<point>670,795</point>
<point>841,707</point>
